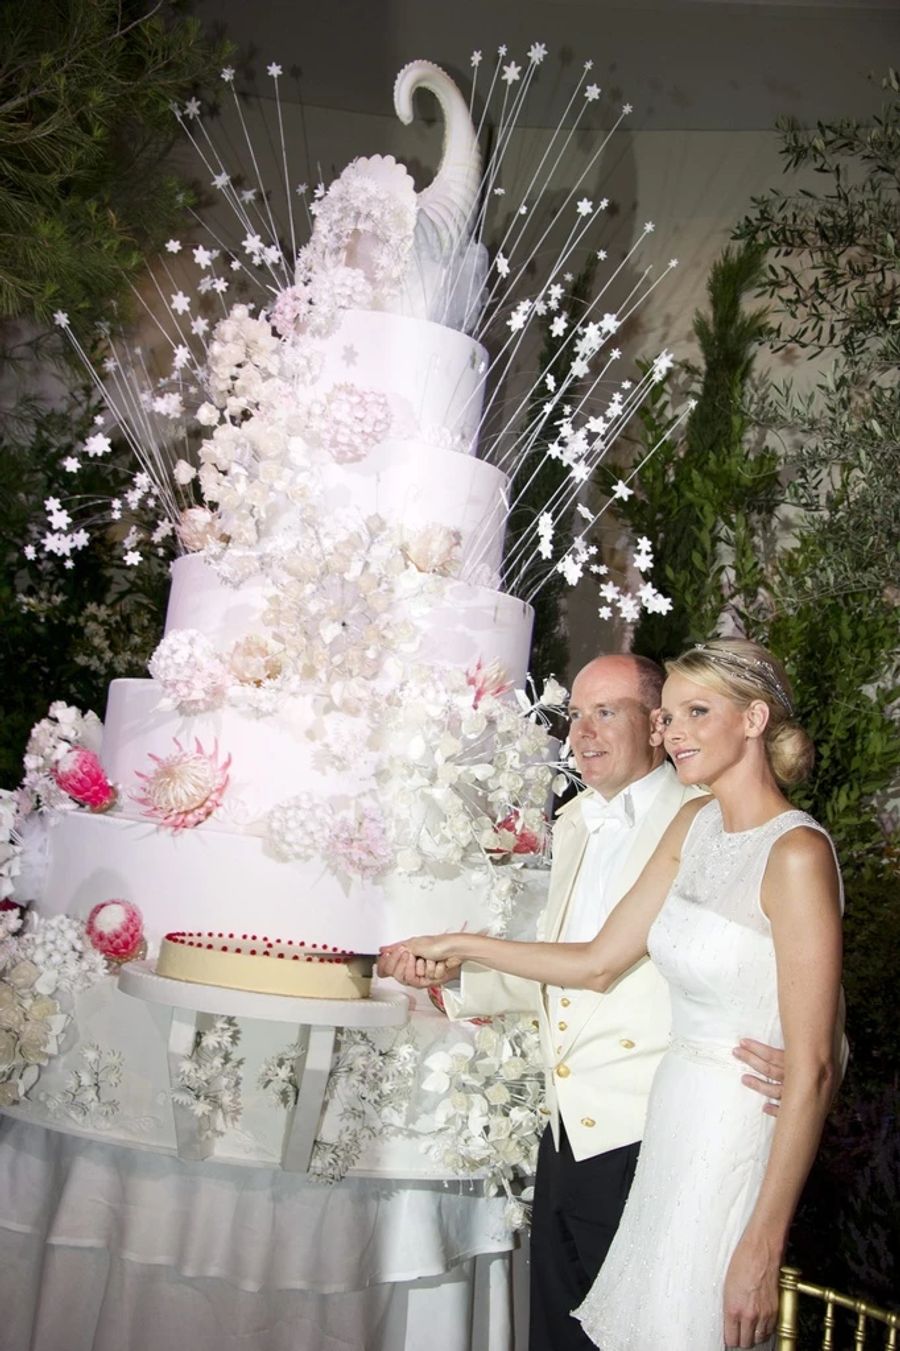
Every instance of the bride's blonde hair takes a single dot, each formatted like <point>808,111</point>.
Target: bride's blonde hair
<point>745,671</point>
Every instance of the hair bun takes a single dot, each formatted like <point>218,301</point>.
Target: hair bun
<point>791,753</point>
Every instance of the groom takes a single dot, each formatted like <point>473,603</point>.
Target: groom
<point>600,1050</point>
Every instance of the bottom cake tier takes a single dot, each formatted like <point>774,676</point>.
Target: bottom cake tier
<point>216,879</point>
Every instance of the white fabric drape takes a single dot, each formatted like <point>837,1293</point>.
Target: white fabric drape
<point>104,1248</point>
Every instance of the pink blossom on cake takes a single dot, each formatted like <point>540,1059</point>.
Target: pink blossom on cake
<point>80,774</point>
<point>190,671</point>
<point>185,788</point>
<point>357,843</point>
<point>487,680</point>
<point>116,930</point>
<point>349,421</point>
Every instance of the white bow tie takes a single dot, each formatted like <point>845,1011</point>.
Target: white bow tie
<point>596,812</point>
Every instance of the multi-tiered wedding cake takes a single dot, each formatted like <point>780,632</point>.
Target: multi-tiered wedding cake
<point>329,749</point>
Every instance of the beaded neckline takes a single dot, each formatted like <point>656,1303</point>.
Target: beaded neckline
<point>736,834</point>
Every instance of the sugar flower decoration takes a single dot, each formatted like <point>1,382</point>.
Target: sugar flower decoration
<point>184,788</point>
<point>80,774</point>
<point>349,421</point>
<point>191,673</point>
<point>116,930</point>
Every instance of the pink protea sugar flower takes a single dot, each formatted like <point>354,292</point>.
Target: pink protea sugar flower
<point>184,788</point>
<point>116,929</point>
<point>80,774</point>
<point>490,679</point>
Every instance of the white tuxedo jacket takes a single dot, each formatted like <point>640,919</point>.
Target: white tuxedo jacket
<point>601,1059</point>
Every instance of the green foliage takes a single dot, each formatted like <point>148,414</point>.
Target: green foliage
<point>85,128</point>
<point>85,191</point>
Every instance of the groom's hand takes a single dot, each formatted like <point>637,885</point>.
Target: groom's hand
<point>767,1063</point>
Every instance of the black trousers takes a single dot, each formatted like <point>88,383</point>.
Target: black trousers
<point>577,1208</point>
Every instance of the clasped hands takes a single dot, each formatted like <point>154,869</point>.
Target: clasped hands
<point>419,962</point>
<point>434,959</point>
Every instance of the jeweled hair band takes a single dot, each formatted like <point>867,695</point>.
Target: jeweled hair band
<point>753,668</point>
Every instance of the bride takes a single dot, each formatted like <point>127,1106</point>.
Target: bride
<point>740,909</point>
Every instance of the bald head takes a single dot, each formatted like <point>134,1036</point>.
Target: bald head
<point>612,698</point>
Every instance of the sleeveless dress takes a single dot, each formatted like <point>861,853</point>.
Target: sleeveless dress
<point>707,1139</point>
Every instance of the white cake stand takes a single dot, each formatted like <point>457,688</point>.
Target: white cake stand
<point>317,1021</point>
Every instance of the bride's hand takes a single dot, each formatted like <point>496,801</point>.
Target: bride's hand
<point>751,1294</point>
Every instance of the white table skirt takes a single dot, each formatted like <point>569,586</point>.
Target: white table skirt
<point>105,1248</point>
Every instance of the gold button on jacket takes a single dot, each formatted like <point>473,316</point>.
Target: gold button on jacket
<point>562,1071</point>
<point>562,1026</point>
<point>626,1044</point>
<point>565,1002</point>
<point>588,1121</point>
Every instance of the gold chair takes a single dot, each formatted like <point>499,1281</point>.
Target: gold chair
<point>791,1288</point>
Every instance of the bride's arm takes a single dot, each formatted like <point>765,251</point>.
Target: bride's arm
<point>592,966</point>
<point>801,895</point>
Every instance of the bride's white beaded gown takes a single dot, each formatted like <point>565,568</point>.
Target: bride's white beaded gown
<point>706,1141</point>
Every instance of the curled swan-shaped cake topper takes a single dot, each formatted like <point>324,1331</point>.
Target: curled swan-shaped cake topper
<point>446,208</point>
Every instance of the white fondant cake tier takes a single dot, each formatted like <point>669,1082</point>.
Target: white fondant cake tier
<point>246,962</point>
<point>433,376</point>
<point>215,879</point>
<point>463,623</point>
<point>414,486</point>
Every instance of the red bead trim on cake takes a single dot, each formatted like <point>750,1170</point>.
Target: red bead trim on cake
<point>314,953</point>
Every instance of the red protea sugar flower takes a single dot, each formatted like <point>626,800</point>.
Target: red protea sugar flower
<point>116,929</point>
<point>184,788</point>
<point>80,774</point>
<point>516,838</point>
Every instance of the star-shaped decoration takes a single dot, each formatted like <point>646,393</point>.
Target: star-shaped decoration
<point>673,262</point>
<point>173,246</point>
<point>536,53</point>
<point>601,254</point>
<point>192,108</point>
<point>511,73</point>
<point>592,92</point>
<point>502,265</point>
<point>180,303</point>
<point>221,181</point>
<point>559,326</point>
<point>626,109</point>
<point>274,70</point>
<point>199,326</point>
<point>585,206</point>
<point>71,464</point>
<point>227,74</point>
<point>60,319</point>
<point>203,257</point>
<point>248,195</point>
<point>350,355</point>
<point>622,491</point>
<point>475,60</point>
<point>649,227</point>
<point>30,552</point>
<point>605,612</point>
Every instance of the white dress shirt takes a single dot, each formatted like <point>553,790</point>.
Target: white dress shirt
<point>611,825</point>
